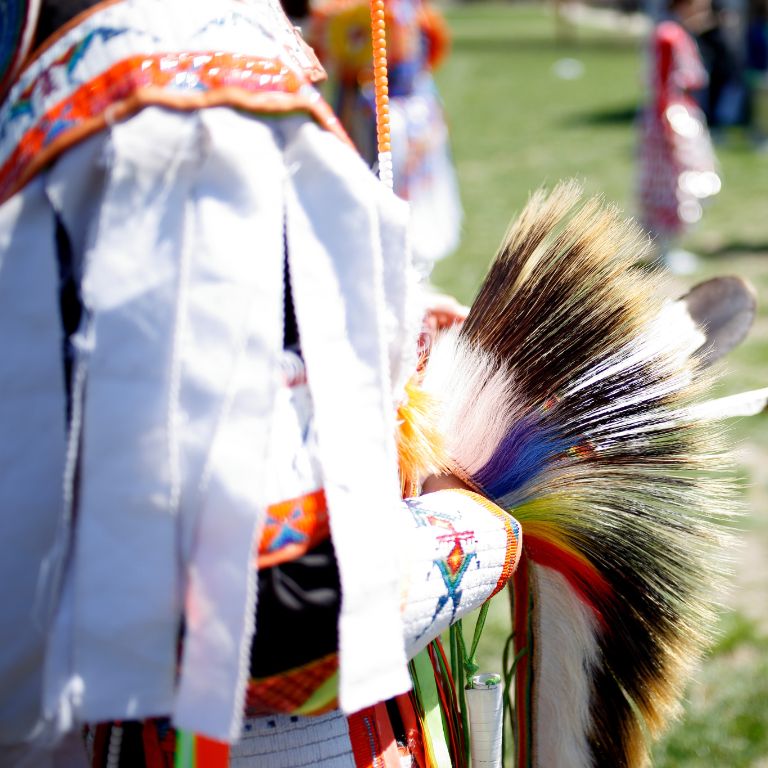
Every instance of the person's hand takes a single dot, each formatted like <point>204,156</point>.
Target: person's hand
<point>441,483</point>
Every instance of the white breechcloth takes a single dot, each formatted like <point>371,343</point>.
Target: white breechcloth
<point>179,224</point>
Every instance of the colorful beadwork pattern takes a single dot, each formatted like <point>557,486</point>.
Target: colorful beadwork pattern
<point>454,553</point>
<point>454,556</point>
<point>296,691</point>
<point>94,74</point>
<point>292,528</point>
<point>514,538</point>
<point>464,554</point>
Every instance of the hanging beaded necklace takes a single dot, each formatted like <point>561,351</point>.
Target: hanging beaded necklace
<point>381,90</point>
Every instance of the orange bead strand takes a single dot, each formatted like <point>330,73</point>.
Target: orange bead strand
<point>381,90</point>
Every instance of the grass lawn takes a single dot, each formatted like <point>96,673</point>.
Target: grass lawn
<point>516,125</point>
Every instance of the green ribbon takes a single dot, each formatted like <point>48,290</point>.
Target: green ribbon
<point>323,696</point>
<point>425,687</point>
<point>185,750</point>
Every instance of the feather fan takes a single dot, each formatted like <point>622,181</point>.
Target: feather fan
<point>567,398</point>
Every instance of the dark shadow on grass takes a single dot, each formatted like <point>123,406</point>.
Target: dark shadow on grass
<point>736,248</point>
<point>572,48</point>
<point>607,118</point>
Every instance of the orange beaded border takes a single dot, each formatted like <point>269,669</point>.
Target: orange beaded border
<point>381,90</point>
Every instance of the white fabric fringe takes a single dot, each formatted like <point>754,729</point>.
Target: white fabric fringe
<point>566,652</point>
<point>177,221</point>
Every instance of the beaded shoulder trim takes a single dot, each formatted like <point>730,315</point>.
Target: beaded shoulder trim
<point>123,56</point>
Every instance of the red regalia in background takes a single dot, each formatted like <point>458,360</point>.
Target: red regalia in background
<point>677,165</point>
<point>417,42</point>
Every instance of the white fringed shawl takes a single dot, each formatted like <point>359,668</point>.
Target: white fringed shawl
<point>180,223</point>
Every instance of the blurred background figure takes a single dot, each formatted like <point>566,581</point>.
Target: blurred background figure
<point>677,165</point>
<point>757,72</point>
<point>417,42</point>
<point>723,98</point>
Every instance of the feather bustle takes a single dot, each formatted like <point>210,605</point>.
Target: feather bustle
<point>565,401</point>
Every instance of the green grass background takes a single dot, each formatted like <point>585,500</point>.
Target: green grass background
<point>516,126</point>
